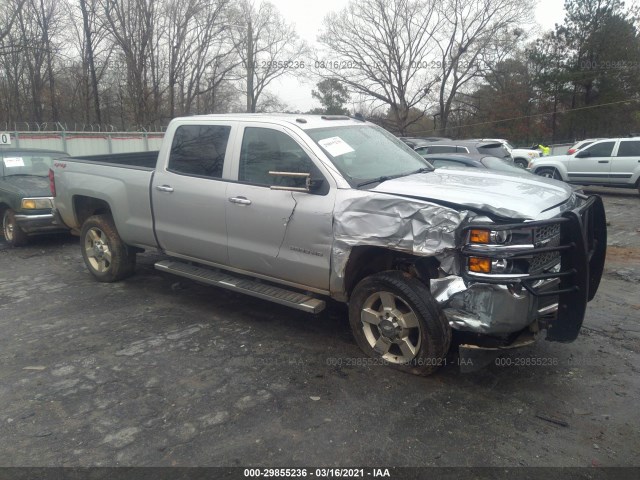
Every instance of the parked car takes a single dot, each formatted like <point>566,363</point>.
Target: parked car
<point>25,198</point>
<point>521,156</point>
<point>611,162</point>
<point>475,147</point>
<point>298,208</point>
<point>472,161</point>
<point>415,142</point>
<point>581,144</point>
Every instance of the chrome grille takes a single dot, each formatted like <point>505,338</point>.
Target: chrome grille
<point>540,234</point>
<point>546,236</point>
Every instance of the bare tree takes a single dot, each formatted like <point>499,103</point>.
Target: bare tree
<point>8,16</point>
<point>382,48</point>
<point>200,52</point>
<point>268,47</point>
<point>466,43</point>
<point>132,25</point>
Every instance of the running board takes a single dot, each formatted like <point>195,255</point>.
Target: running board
<point>240,284</point>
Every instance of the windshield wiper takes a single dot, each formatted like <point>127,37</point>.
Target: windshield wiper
<point>384,178</point>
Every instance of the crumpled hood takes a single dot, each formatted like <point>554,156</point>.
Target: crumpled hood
<point>28,186</point>
<point>501,194</point>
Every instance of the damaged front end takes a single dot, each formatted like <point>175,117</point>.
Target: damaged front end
<point>499,283</point>
<point>519,278</point>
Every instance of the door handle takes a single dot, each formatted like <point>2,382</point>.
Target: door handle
<point>603,161</point>
<point>164,188</point>
<point>240,200</point>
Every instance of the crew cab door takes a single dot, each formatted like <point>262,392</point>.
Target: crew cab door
<point>188,192</point>
<point>282,234</point>
<point>592,164</point>
<point>626,162</point>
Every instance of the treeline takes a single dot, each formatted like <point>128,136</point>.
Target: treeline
<point>578,81</point>
<point>461,68</point>
<point>137,63</point>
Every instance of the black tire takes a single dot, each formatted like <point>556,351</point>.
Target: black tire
<point>521,162</point>
<point>549,172</point>
<point>427,343</point>
<point>13,234</point>
<point>106,256</point>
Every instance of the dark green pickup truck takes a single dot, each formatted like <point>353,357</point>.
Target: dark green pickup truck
<point>25,197</point>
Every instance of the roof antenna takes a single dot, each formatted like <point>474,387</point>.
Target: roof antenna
<point>358,116</point>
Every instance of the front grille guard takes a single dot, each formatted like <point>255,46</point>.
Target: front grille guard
<point>582,248</point>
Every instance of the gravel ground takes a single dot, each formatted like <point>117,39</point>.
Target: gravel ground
<point>159,371</point>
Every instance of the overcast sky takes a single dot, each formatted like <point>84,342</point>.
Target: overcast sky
<point>307,16</point>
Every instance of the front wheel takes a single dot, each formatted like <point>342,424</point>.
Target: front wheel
<point>395,318</point>
<point>13,234</point>
<point>549,173</point>
<point>107,257</point>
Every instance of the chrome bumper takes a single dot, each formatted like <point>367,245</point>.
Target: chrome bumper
<point>44,222</point>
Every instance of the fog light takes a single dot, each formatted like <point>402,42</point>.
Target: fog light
<point>480,264</point>
<point>479,236</point>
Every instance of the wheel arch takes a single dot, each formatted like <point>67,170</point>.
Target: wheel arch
<point>562,171</point>
<point>85,207</point>
<point>368,260</point>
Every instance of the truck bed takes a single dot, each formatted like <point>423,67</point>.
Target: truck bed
<point>121,181</point>
<point>143,160</point>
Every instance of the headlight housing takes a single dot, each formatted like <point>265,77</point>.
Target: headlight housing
<point>36,203</point>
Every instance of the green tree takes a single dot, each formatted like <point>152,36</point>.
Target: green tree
<point>332,95</point>
<point>603,46</point>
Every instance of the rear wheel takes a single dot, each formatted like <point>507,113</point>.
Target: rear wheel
<point>107,257</point>
<point>394,318</point>
<point>13,234</point>
<point>549,173</point>
<point>521,162</point>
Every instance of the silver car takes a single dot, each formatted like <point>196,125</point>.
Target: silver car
<point>609,162</point>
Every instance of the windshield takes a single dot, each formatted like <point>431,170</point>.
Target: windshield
<point>365,152</point>
<point>27,163</point>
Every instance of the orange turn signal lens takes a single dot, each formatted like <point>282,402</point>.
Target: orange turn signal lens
<point>479,236</point>
<point>479,264</point>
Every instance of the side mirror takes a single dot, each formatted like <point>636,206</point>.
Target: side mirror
<point>583,154</point>
<point>306,182</point>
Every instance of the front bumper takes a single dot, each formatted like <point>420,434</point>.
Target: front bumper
<point>554,299</point>
<point>38,223</point>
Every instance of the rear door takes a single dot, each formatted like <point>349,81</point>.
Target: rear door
<point>593,168</point>
<point>189,193</point>
<point>626,162</point>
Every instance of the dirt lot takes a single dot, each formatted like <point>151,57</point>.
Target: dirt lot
<point>161,371</point>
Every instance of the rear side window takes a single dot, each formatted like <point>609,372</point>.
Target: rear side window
<point>603,149</point>
<point>199,150</point>
<point>629,149</point>
<point>442,149</point>
<point>462,150</point>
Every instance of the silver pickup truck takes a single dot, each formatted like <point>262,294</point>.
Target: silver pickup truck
<point>296,209</point>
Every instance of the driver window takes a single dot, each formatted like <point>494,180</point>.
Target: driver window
<point>603,149</point>
<point>264,150</point>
